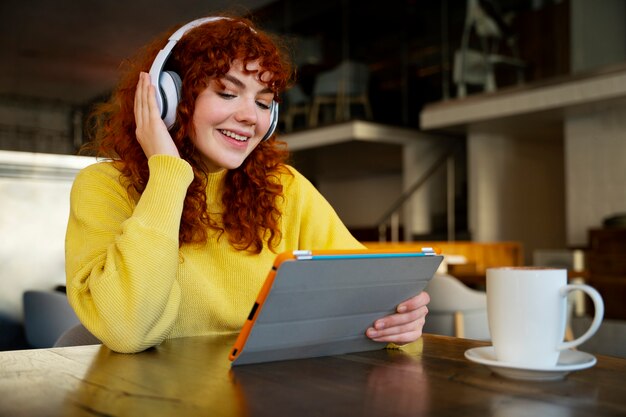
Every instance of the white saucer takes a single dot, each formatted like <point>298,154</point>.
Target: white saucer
<point>569,360</point>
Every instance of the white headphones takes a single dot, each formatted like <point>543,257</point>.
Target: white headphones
<point>168,84</point>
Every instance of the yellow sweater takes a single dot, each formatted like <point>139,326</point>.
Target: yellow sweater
<point>132,285</point>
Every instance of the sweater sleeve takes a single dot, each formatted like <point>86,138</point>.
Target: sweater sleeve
<point>122,258</point>
<point>318,225</point>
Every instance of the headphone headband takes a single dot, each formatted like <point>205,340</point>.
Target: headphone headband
<point>159,62</point>
<point>168,83</point>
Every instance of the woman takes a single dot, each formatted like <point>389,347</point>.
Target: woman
<point>174,235</point>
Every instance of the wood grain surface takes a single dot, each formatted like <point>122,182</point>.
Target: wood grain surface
<point>192,376</point>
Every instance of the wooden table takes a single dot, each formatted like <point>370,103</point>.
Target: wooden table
<point>191,376</point>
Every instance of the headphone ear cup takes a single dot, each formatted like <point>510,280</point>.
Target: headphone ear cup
<point>170,85</point>
<point>273,120</point>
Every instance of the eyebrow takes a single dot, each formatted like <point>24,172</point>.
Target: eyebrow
<point>240,84</point>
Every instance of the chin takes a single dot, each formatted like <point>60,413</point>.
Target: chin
<point>232,164</point>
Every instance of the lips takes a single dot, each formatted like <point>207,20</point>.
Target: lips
<point>234,135</point>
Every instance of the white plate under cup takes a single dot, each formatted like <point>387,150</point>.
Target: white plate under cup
<point>527,313</point>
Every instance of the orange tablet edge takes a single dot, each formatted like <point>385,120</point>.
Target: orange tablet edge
<point>258,305</point>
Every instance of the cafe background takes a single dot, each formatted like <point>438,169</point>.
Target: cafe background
<point>403,118</point>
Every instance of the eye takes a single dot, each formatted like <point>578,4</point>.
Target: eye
<point>263,105</point>
<point>226,96</point>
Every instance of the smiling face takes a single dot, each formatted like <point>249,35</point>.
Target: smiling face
<point>231,118</point>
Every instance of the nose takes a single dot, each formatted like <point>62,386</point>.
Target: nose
<point>247,112</point>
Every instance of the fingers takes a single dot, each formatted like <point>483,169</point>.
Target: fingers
<point>401,334</point>
<point>139,105</point>
<point>413,303</point>
<point>401,338</point>
<point>399,322</point>
<point>150,109</point>
<point>404,326</point>
<point>142,102</point>
<point>151,132</point>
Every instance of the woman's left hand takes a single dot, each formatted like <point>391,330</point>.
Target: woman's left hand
<point>405,325</point>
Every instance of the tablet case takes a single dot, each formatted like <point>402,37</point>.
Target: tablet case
<point>321,303</point>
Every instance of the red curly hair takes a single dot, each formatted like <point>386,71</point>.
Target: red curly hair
<point>204,53</point>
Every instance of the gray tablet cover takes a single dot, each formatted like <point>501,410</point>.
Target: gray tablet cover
<point>323,307</point>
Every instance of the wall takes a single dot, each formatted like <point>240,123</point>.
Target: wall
<point>594,142</point>
<point>419,157</point>
<point>42,126</point>
<point>361,201</point>
<point>364,176</point>
<point>358,178</point>
<point>33,217</point>
<point>517,186</point>
<point>591,181</point>
<point>595,153</point>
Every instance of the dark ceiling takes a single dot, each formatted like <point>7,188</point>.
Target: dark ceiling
<point>69,50</point>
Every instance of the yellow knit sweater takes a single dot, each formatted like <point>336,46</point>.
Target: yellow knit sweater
<point>132,285</point>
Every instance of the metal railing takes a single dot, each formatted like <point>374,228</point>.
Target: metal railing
<point>391,217</point>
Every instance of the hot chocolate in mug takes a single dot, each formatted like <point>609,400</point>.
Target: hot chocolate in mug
<point>527,313</point>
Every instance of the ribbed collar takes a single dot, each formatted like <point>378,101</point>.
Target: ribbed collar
<point>215,184</point>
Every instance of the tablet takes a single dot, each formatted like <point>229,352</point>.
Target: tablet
<point>320,303</point>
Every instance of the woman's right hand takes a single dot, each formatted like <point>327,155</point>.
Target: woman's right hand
<point>151,132</point>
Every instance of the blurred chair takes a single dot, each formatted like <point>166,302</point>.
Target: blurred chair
<point>12,333</point>
<point>297,104</point>
<point>455,309</point>
<point>47,315</point>
<point>77,336</point>
<point>343,86</point>
<point>477,67</point>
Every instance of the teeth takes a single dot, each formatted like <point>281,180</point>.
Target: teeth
<point>234,135</point>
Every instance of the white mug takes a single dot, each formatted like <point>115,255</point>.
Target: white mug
<point>527,313</point>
